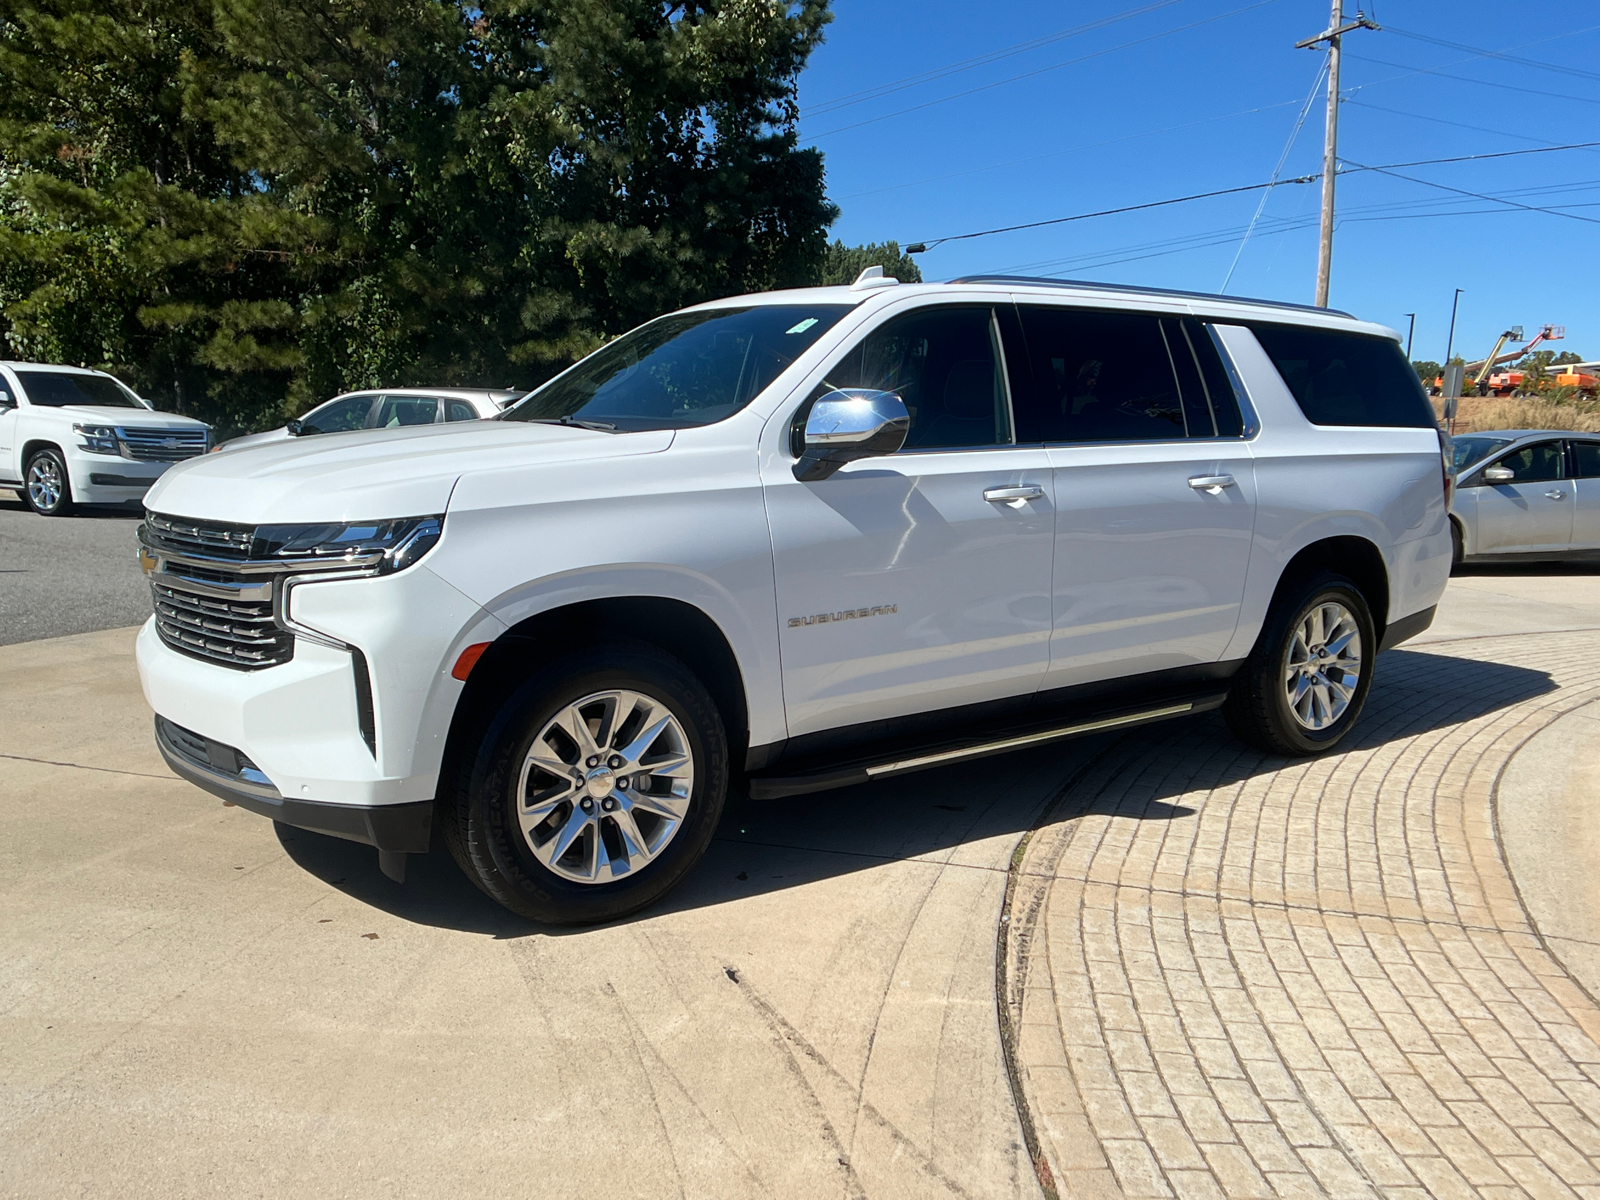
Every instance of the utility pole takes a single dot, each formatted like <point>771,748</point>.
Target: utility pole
<point>1450,343</point>
<point>1410,329</point>
<point>1330,143</point>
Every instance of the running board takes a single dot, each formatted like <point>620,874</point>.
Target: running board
<point>777,787</point>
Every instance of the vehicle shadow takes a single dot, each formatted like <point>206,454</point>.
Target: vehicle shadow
<point>1519,570</point>
<point>771,845</point>
<point>13,502</point>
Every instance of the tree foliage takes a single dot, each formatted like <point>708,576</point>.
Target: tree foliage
<point>843,264</point>
<point>244,206</point>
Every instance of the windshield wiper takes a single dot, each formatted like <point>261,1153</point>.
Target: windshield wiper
<point>603,426</point>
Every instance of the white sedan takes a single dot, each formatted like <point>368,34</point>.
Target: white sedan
<point>387,408</point>
<point>1526,494</point>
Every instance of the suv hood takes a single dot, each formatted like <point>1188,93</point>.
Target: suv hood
<point>133,418</point>
<point>373,474</point>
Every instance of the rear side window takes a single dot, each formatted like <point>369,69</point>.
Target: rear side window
<point>459,410</point>
<point>396,411</point>
<point>1586,457</point>
<point>1121,377</point>
<point>1347,378</point>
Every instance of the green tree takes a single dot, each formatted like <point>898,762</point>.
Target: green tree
<point>843,264</point>
<point>244,206</point>
<point>1427,371</point>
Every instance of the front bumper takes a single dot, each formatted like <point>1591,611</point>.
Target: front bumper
<point>110,479</point>
<point>223,771</point>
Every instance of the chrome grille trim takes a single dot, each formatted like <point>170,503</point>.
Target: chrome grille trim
<point>160,445</point>
<point>212,541</point>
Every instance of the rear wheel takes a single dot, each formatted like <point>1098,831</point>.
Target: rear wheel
<point>1458,549</point>
<point>595,789</point>
<point>1304,684</point>
<point>46,486</point>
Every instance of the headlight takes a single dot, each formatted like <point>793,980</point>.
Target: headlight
<point>97,439</point>
<point>387,545</point>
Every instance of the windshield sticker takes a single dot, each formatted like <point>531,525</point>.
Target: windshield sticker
<point>803,326</point>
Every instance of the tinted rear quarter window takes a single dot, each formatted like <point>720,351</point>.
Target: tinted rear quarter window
<point>1343,378</point>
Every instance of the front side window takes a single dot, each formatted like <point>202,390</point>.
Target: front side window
<point>681,370</point>
<point>338,416</point>
<point>58,389</point>
<point>1106,377</point>
<point>944,364</point>
<point>1586,457</point>
<point>395,411</point>
<point>1538,463</point>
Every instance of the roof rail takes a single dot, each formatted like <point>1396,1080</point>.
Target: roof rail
<point>1031,281</point>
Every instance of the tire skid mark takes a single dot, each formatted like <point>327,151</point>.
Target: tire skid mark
<point>793,1041</point>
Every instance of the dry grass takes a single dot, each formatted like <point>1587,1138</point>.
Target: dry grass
<point>1492,412</point>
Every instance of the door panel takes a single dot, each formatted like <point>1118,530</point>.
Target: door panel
<point>1149,571</point>
<point>902,590</point>
<point>1531,514</point>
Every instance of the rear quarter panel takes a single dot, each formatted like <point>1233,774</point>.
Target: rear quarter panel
<point>1315,482</point>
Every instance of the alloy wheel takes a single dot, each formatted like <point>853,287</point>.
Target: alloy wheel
<point>605,786</point>
<point>1323,665</point>
<point>44,482</point>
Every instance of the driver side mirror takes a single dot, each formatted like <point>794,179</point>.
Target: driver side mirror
<point>848,424</point>
<point>1498,474</point>
<point>293,427</point>
<point>6,402</point>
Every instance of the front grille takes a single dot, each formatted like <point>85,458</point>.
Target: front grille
<point>161,445</point>
<point>233,630</point>
<point>210,540</point>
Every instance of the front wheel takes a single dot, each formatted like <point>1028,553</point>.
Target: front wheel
<point>46,486</point>
<point>1304,684</point>
<point>595,789</point>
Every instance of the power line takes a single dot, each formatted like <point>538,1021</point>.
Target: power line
<point>1041,71</point>
<point>1441,121</point>
<point>981,60</point>
<point>1475,195</point>
<point>1500,54</point>
<point>923,246</point>
<point>1466,79</point>
<point>1266,195</point>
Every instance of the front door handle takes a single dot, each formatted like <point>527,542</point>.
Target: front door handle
<point>1014,496</point>
<point>1210,483</point>
<point>1556,495</point>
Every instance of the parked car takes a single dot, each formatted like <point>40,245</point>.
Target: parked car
<point>72,436</point>
<point>789,542</point>
<point>1526,494</point>
<point>390,408</point>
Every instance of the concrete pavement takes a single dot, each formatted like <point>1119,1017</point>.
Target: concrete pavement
<point>61,575</point>
<point>192,1003</point>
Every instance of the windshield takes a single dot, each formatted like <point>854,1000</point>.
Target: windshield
<point>57,389</point>
<point>1467,450</point>
<point>684,369</point>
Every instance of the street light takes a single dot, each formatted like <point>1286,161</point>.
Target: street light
<point>1450,344</point>
<point>1410,329</point>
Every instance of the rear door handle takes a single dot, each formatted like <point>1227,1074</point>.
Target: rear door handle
<point>1014,496</point>
<point>1558,494</point>
<point>1210,483</point>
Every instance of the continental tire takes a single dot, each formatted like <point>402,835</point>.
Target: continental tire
<point>596,787</point>
<point>1306,680</point>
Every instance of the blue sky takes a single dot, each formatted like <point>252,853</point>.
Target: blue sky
<point>1212,106</point>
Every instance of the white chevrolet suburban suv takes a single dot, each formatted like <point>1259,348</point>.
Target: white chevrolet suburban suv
<point>73,436</point>
<point>789,542</point>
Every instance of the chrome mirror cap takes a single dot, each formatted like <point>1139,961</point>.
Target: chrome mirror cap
<point>1499,474</point>
<point>851,423</point>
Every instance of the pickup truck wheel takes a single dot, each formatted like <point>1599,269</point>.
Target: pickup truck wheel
<point>1303,685</point>
<point>46,487</point>
<point>596,787</point>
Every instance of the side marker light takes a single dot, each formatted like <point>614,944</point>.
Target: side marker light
<point>469,659</point>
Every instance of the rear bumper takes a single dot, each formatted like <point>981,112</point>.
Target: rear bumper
<point>222,771</point>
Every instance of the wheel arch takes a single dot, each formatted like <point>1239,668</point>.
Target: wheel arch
<point>1351,555</point>
<point>673,626</point>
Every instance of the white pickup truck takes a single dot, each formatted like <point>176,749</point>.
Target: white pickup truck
<point>787,542</point>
